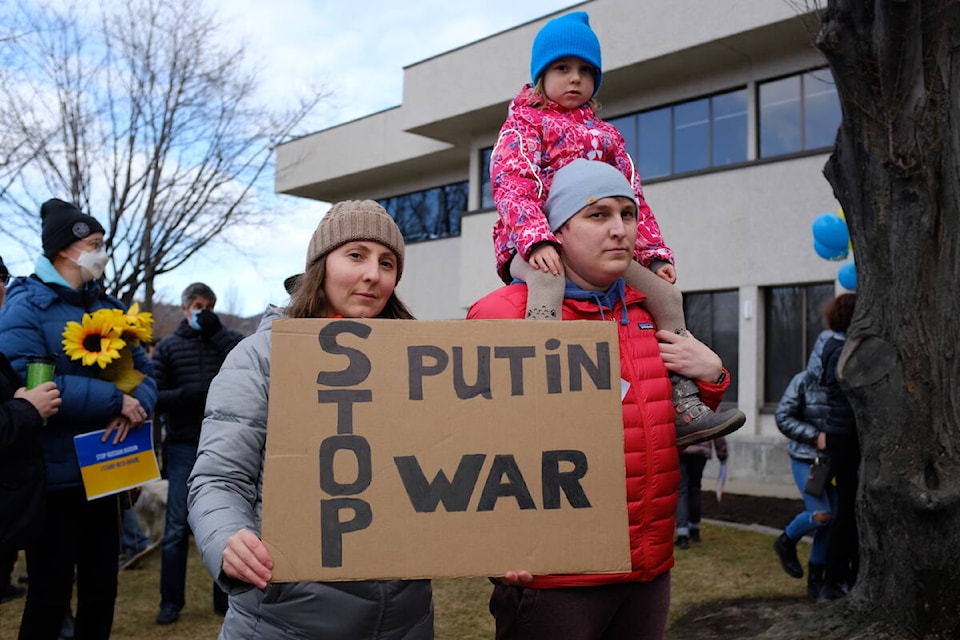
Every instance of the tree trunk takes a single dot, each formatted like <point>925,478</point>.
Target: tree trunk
<point>895,171</point>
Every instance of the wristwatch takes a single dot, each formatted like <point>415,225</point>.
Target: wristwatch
<point>723,376</point>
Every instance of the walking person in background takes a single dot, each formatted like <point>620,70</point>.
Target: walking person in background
<point>842,446</point>
<point>185,363</point>
<point>354,261</point>
<point>801,416</point>
<point>693,459</point>
<point>75,533</point>
<point>551,123</point>
<point>22,478</point>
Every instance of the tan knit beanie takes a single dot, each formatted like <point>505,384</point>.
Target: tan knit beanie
<point>356,220</point>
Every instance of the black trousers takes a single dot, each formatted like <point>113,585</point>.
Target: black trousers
<point>81,539</point>
<point>626,611</point>
<point>843,551</point>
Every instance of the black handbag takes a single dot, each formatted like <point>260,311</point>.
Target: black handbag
<point>817,478</point>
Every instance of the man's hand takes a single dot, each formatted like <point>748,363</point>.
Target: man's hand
<point>246,558</point>
<point>209,322</point>
<point>689,357</point>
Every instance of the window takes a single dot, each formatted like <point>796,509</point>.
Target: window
<point>714,318</point>
<point>486,189</point>
<point>793,320</point>
<point>652,148</point>
<point>689,136</point>
<point>429,214</point>
<point>798,113</point>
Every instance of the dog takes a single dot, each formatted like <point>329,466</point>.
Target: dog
<point>151,508</point>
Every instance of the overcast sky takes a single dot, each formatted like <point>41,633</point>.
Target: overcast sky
<point>357,51</point>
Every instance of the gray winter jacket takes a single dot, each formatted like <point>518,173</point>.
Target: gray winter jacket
<point>225,496</point>
<point>802,414</point>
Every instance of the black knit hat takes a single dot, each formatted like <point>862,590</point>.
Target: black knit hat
<point>64,224</point>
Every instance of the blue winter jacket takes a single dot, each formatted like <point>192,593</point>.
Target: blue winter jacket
<point>32,324</point>
<point>802,415</point>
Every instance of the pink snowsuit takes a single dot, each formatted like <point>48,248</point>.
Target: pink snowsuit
<point>534,143</point>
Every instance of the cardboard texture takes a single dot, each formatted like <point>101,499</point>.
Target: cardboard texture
<point>409,449</point>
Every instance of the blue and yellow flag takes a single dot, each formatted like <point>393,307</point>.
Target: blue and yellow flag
<point>109,468</point>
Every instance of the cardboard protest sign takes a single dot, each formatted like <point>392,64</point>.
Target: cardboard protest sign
<point>406,449</point>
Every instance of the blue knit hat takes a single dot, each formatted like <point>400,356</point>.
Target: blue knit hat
<point>581,183</point>
<point>568,35</point>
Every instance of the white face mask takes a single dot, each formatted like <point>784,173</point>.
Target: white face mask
<point>92,263</point>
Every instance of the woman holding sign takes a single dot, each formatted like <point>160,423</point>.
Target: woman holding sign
<point>354,261</point>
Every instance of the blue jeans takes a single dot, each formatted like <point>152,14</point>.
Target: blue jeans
<point>804,523</point>
<point>178,463</point>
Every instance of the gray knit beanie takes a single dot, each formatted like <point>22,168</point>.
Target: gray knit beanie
<point>352,220</point>
<point>580,183</point>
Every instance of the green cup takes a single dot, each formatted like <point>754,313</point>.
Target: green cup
<point>39,370</point>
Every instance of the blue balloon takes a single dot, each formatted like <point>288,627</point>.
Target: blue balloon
<point>848,276</point>
<point>831,231</point>
<point>827,253</point>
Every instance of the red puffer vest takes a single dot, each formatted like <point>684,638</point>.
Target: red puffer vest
<point>649,442</point>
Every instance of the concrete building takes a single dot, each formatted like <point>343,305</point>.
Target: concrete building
<point>729,113</point>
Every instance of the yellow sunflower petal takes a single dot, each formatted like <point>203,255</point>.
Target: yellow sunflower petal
<point>95,340</point>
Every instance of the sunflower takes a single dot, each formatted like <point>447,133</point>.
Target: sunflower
<point>137,327</point>
<point>95,340</point>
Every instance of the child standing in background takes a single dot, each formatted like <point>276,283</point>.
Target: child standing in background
<point>550,124</point>
<point>693,459</point>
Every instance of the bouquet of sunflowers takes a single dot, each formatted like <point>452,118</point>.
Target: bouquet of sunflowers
<point>104,338</point>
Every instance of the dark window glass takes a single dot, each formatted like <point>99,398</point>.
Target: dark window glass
<point>793,320</point>
<point>628,129</point>
<point>780,117</point>
<point>653,143</point>
<point>729,120</point>
<point>429,214</point>
<point>691,136</point>
<point>798,113</point>
<point>714,319</point>
<point>821,109</point>
<point>486,191</point>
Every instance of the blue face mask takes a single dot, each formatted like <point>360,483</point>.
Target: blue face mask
<point>193,319</point>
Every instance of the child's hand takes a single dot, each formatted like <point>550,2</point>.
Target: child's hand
<point>44,397</point>
<point>546,258</point>
<point>668,272</point>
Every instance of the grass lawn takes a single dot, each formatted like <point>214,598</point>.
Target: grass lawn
<point>729,563</point>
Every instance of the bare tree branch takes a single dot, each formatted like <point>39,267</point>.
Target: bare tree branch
<point>142,117</point>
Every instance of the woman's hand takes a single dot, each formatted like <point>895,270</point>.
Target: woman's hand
<point>44,397</point>
<point>133,411</point>
<point>821,441</point>
<point>119,426</point>
<point>246,558</point>
<point>516,578</point>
